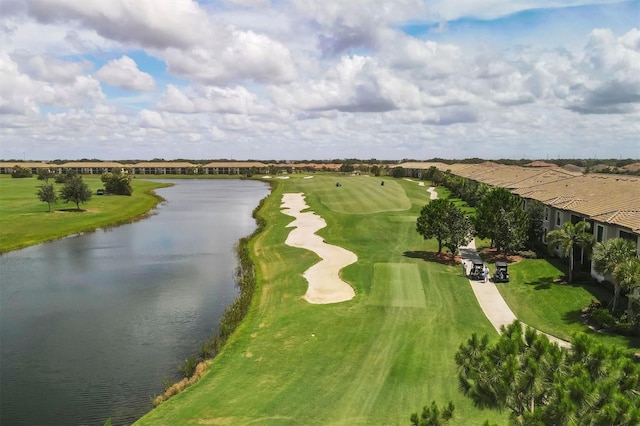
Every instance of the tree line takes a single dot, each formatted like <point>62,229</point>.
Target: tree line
<point>498,216</point>
<point>75,190</point>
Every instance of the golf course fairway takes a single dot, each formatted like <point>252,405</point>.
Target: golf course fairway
<point>374,359</point>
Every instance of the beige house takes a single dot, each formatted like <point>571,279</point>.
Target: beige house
<point>163,168</point>
<point>91,168</point>
<point>7,166</point>
<point>233,168</point>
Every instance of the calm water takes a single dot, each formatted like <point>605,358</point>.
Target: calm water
<point>91,325</point>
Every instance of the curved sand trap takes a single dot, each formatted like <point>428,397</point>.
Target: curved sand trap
<point>325,285</point>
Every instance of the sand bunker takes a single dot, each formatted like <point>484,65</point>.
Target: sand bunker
<point>325,285</point>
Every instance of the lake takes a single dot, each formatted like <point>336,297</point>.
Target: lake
<point>92,325</point>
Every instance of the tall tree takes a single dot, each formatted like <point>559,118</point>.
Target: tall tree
<point>44,174</point>
<point>76,190</point>
<point>460,230</point>
<point>535,230</point>
<point>442,220</point>
<point>567,237</point>
<point>432,220</point>
<point>607,255</point>
<point>499,217</point>
<point>397,172</point>
<point>47,194</point>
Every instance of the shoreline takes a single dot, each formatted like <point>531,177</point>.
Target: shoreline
<point>235,313</point>
<point>140,214</point>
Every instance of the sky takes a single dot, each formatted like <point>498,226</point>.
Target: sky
<point>316,80</point>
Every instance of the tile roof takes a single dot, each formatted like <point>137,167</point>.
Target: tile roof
<point>232,164</point>
<point>166,164</point>
<point>613,199</point>
<point>29,164</point>
<point>86,164</point>
<point>607,198</point>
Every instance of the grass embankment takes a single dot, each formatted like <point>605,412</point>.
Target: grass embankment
<point>24,219</point>
<point>373,360</point>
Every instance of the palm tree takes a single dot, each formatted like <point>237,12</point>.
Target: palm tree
<point>608,255</point>
<point>627,274</point>
<point>568,236</point>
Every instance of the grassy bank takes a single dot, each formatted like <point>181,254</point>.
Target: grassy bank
<point>373,360</point>
<point>24,219</point>
<point>538,300</point>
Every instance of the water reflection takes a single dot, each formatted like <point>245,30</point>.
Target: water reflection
<point>91,325</point>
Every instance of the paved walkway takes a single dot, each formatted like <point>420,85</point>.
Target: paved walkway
<point>491,301</point>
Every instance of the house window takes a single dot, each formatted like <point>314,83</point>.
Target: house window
<point>546,214</point>
<point>524,204</point>
<point>544,235</point>
<point>599,233</point>
<point>629,236</point>
<point>558,218</point>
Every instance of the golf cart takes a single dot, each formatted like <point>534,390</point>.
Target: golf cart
<point>477,270</point>
<point>502,274</point>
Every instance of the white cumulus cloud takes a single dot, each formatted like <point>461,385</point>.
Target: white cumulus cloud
<point>124,73</point>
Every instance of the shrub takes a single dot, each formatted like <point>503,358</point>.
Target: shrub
<point>603,318</point>
<point>606,320</point>
<point>64,177</point>
<point>20,172</point>
<point>528,254</point>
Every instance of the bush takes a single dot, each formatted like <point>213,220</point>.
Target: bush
<point>603,318</point>
<point>606,320</point>
<point>397,172</point>
<point>64,177</point>
<point>528,254</point>
<point>20,172</point>
<point>117,183</point>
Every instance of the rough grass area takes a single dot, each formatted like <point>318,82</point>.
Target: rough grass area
<point>25,221</point>
<point>351,363</point>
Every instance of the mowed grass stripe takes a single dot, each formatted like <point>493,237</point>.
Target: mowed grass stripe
<point>398,285</point>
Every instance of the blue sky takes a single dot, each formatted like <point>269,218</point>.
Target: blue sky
<point>302,79</point>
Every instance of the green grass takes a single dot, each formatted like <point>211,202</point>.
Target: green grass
<point>554,308</point>
<point>358,194</point>
<point>397,284</point>
<point>25,220</point>
<point>357,362</point>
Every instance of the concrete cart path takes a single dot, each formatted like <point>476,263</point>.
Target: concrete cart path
<point>491,301</point>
